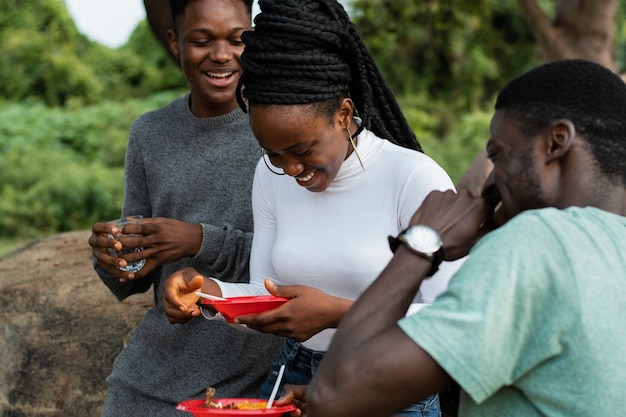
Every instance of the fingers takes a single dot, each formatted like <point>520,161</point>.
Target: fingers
<point>295,394</point>
<point>104,241</point>
<point>179,298</point>
<point>460,218</point>
<point>176,316</point>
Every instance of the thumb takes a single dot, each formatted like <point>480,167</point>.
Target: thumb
<point>273,288</point>
<point>195,284</point>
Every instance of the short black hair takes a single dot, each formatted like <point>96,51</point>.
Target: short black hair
<point>588,94</point>
<point>308,52</point>
<point>178,10</point>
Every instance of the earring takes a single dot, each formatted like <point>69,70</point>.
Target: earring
<point>351,139</point>
<point>267,165</point>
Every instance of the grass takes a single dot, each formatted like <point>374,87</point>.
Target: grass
<point>8,245</point>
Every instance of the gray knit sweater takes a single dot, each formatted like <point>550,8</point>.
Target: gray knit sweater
<point>199,171</point>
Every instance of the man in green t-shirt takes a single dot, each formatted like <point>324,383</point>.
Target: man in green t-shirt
<point>532,323</point>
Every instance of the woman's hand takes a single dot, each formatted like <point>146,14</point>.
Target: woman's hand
<point>308,312</point>
<point>179,298</point>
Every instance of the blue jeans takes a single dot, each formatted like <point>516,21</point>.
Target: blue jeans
<point>302,363</point>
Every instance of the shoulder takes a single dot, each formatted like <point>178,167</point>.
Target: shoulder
<point>173,108</point>
<point>415,167</point>
<point>527,231</point>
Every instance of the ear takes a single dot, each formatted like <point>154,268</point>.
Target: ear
<point>560,138</point>
<point>345,112</point>
<point>173,41</point>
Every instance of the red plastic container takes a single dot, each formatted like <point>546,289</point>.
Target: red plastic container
<point>194,407</point>
<point>237,306</point>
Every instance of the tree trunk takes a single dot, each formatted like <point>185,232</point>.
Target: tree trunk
<point>580,29</point>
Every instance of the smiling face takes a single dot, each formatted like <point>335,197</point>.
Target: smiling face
<point>516,179</point>
<point>208,45</point>
<point>303,143</point>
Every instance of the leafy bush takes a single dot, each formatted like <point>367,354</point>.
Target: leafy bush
<point>44,57</point>
<point>61,170</point>
<point>458,52</point>
<point>451,139</point>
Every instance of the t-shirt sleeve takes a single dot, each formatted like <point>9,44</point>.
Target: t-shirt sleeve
<point>495,322</point>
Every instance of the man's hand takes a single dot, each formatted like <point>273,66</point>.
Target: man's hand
<point>461,219</point>
<point>295,394</point>
<point>101,240</point>
<point>163,241</point>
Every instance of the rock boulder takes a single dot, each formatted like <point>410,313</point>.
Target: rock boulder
<point>60,329</point>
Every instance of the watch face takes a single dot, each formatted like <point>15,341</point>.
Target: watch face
<point>423,239</point>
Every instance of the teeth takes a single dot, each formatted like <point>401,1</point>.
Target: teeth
<point>307,178</point>
<point>219,74</point>
<point>497,207</point>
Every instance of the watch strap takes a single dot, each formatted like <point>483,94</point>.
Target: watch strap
<point>436,259</point>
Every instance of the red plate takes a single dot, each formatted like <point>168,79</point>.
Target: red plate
<point>238,306</point>
<point>194,407</point>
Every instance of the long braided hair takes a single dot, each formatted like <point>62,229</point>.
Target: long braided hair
<point>308,52</point>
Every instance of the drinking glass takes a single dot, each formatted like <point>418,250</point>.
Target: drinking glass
<point>120,223</point>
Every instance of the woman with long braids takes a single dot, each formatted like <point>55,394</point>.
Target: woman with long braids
<point>341,172</point>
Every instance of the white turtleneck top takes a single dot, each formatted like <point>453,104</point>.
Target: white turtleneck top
<point>336,240</point>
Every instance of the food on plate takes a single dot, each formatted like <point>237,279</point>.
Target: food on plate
<point>244,405</point>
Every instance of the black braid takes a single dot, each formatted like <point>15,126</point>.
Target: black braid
<point>307,52</point>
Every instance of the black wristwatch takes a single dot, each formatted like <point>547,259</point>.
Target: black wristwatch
<point>423,241</point>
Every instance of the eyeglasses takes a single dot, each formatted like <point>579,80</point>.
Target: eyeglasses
<point>263,155</point>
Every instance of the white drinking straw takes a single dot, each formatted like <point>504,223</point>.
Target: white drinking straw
<point>276,385</point>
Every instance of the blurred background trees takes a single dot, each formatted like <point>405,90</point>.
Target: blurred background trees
<point>66,103</point>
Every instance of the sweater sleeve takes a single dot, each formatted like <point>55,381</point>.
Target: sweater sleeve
<point>264,235</point>
<point>226,251</point>
<point>121,290</point>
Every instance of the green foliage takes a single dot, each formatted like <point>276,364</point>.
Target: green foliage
<point>40,54</point>
<point>451,140</point>
<point>139,68</point>
<point>620,36</point>
<point>45,57</point>
<point>62,169</point>
<point>458,52</point>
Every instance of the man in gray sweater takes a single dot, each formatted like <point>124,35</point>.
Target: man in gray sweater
<point>188,172</point>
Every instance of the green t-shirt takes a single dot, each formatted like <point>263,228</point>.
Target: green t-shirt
<point>533,324</point>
